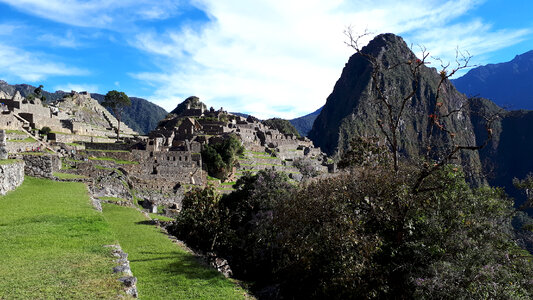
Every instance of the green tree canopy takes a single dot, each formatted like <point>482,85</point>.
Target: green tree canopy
<point>116,101</point>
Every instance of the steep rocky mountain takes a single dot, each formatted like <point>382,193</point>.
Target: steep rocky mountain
<point>142,116</point>
<point>305,123</point>
<point>507,84</point>
<point>352,109</point>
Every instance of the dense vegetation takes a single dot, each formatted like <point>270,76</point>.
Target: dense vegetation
<point>282,126</point>
<point>365,234</point>
<point>220,156</point>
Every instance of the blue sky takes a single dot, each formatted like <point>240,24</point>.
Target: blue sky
<point>264,57</point>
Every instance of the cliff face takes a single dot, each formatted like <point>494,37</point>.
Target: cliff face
<point>508,154</point>
<point>352,108</point>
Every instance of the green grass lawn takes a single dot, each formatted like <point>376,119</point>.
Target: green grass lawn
<point>51,244</point>
<point>164,270</point>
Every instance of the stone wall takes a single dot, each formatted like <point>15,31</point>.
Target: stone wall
<point>11,175</point>
<point>41,165</point>
<point>15,147</point>
<point>9,121</point>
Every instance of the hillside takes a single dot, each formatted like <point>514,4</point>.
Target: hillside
<point>142,116</point>
<point>284,126</point>
<point>508,84</point>
<point>305,123</point>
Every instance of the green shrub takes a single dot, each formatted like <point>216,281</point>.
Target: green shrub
<point>45,130</point>
<point>220,158</point>
<point>199,220</point>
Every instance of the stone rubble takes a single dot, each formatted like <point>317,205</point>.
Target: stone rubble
<point>123,267</point>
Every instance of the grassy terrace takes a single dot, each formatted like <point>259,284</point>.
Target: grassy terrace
<point>51,243</point>
<point>25,140</point>
<point>8,161</point>
<point>68,176</point>
<point>15,131</point>
<point>101,150</point>
<point>164,270</point>
<point>118,161</point>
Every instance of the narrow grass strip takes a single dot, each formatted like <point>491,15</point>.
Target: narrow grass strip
<point>51,244</point>
<point>163,269</point>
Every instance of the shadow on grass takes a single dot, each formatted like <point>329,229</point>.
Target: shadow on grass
<point>179,264</point>
<point>146,222</point>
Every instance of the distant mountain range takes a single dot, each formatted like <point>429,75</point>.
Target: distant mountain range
<point>509,84</point>
<point>142,116</point>
<point>305,123</point>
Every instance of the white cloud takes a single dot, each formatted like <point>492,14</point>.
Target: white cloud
<point>32,67</point>
<point>282,58</point>
<point>67,41</point>
<point>91,88</point>
<point>8,29</point>
<point>97,13</point>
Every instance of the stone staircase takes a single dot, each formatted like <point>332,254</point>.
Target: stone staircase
<point>124,129</point>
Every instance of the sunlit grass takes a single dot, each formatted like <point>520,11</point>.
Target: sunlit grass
<point>51,244</point>
<point>163,269</point>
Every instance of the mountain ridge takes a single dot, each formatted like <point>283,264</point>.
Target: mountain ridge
<point>508,84</point>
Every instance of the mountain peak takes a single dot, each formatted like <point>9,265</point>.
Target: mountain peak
<point>387,43</point>
<point>191,102</point>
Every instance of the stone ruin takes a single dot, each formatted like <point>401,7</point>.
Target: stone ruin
<point>168,161</point>
<point>76,117</point>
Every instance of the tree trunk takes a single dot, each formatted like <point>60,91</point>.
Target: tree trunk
<point>118,130</point>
